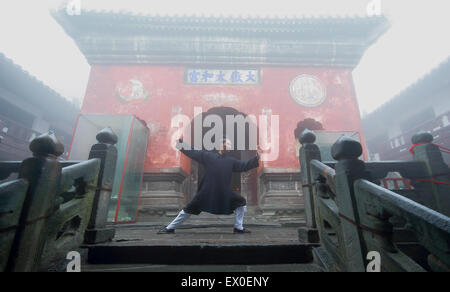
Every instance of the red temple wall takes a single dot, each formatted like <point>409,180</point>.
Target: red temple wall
<point>169,91</point>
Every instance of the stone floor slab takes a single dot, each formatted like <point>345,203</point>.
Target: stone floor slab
<point>207,235</point>
<point>206,268</point>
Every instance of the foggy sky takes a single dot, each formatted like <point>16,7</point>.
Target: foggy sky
<point>415,44</point>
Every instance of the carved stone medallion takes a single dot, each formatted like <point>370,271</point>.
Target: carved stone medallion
<point>307,90</point>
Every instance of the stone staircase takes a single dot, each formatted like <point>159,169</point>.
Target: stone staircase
<point>206,243</point>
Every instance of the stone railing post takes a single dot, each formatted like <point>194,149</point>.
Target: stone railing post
<point>348,169</point>
<point>438,170</point>
<point>308,151</point>
<point>105,150</point>
<point>43,172</point>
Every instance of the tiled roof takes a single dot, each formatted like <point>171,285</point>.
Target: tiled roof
<point>24,85</point>
<point>209,23</point>
<point>108,37</point>
<point>423,87</point>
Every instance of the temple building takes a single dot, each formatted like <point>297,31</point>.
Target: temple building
<point>423,106</point>
<point>157,67</point>
<point>29,108</point>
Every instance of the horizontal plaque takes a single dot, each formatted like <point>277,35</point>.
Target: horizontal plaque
<point>222,76</point>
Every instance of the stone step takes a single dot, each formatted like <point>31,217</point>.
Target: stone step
<point>202,268</point>
<point>202,245</point>
<point>210,254</point>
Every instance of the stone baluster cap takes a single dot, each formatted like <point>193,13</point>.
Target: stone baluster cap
<point>107,136</point>
<point>422,137</point>
<point>346,148</point>
<point>307,136</point>
<point>47,144</point>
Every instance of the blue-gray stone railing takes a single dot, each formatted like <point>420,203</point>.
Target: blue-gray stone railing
<point>53,207</point>
<point>350,214</point>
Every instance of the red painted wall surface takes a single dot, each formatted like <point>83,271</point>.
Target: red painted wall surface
<point>168,90</point>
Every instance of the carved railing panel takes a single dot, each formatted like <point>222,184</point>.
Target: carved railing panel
<point>354,215</point>
<point>377,205</point>
<point>55,206</point>
<point>65,228</point>
<point>12,196</point>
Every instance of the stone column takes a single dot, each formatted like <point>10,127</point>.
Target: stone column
<point>349,168</point>
<point>43,172</point>
<point>97,231</point>
<point>308,152</point>
<point>437,169</point>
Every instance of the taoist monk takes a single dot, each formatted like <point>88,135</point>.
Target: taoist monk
<point>214,194</point>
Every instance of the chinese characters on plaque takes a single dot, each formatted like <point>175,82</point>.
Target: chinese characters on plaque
<point>222,77</point>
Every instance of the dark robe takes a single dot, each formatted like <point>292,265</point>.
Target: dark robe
<point>214,193</point>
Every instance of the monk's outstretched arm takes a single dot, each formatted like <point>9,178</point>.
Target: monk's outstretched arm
<point>243,166</point>
<point>187,150</point>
